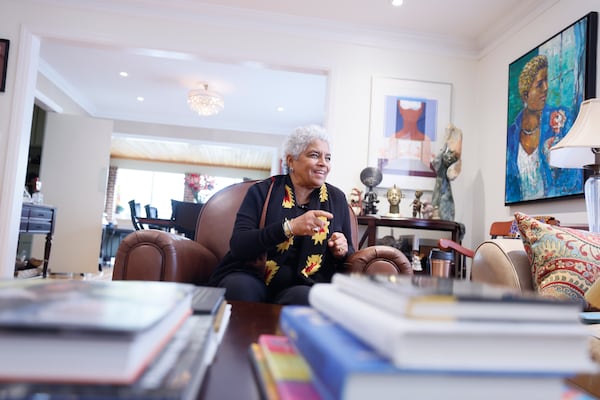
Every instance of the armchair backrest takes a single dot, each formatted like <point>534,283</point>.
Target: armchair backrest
<point>216,220</point>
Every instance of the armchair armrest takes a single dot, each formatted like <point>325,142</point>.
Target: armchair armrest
<point>447,244</point>
<point>502,262</point>
<point>163,256</point>
<point>379,260</point>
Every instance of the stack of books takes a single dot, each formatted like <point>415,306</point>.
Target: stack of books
<point>423,337</point>
<point>107,339</point>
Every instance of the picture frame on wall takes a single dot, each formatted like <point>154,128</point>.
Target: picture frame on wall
<point>545,89</point>
<point>407,129</point>
<point>4,44</point>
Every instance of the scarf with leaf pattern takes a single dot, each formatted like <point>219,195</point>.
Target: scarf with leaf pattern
<point>299,259</point>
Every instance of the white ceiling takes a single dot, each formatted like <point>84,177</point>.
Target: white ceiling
<point>90,75</point>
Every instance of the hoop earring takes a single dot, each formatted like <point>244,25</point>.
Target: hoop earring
<point>291,170</point>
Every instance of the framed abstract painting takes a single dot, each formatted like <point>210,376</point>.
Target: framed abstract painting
<point>408,122</point>
<point>545,89</point>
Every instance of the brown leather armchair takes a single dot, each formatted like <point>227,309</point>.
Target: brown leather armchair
<point>162,256</point>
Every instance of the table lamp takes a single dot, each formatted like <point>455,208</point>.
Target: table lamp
<point>580,148</point>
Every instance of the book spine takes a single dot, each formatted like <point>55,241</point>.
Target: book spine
<point>332,353</point>
<point>368,324</point>
<point>265,380</point>
<point>290,371</point>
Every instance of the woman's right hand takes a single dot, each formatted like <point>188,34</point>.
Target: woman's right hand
<point>309,223</point>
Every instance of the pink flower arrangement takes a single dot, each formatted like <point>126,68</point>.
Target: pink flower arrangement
<point>198,183</point>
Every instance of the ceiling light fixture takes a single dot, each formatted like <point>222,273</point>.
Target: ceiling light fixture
<point>205,102</point>
<point>396,3</point>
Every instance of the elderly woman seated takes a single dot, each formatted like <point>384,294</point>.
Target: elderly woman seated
<point>305,235</point>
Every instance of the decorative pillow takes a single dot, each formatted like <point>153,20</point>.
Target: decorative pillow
<point>548,219</point>
<point>565,262</point>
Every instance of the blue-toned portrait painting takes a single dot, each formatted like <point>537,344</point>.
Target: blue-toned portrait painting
<point>545,89</point>
<point>409,131</point>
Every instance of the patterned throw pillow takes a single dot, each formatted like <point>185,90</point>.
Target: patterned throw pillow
<point>548,219</point>
<point>564,261</point>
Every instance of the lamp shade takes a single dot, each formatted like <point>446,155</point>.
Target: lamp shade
<point>575,149</point>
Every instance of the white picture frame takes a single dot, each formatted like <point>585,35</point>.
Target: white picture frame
<point>402,152</point>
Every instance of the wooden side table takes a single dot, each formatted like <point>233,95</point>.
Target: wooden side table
<point>372,222</point>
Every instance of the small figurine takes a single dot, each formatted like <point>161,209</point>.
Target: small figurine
<point>356,201</point>
<point>416,261</point>
<point>370,177</point>
<point>416,204</point>
<point>394,195</point>
<point>371,199</point>
<point>427,210</point>
<point>436,213</point>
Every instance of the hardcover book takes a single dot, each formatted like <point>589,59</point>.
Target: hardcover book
<point>421,296</point>
<point>346,368</point>
<point>86,331</point>
<point>215,337</point>
<point>266,383</point>
<point>207,300</point>
<point>457,345</point>
<point>176,373</point>
<point>289,370</point>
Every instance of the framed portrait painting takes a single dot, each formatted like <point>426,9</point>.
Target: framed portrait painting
<point>545,89</point>
<point>408,121</point>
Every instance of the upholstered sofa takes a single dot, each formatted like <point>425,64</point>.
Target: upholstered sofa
<point>556,261</point>
<point>163,256</point>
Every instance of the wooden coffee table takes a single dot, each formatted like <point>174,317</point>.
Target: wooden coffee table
<point>230,376</point>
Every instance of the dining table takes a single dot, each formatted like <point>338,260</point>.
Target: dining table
<point>157,223</point>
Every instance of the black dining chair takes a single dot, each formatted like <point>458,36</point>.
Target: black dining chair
<point>185,216</point>
<point>151,212</point>
<point>135,211</point>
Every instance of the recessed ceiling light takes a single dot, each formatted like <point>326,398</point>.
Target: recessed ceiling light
<point>140,98</point>
<point>123,74</point>
<point>280,109</point>
<point>397,3</point>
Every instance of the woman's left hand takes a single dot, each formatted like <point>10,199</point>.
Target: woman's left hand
<point>338,245</point>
